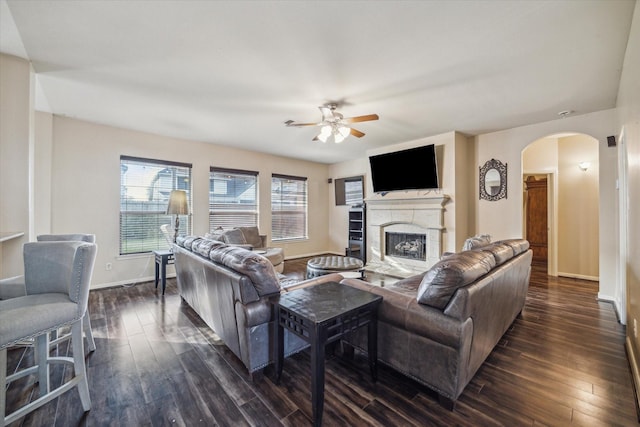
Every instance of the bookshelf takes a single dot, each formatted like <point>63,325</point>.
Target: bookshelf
<point>357,233</point>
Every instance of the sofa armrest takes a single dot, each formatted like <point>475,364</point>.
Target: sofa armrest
<point>333,277</point>
<point>241,245</point>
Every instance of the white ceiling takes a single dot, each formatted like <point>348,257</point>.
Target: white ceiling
<point>231,72</point>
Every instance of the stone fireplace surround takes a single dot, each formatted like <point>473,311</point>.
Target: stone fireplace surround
<point>420,215</point>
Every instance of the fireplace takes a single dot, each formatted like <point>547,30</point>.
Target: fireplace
<point>406,245</point>
<point>404,236</point>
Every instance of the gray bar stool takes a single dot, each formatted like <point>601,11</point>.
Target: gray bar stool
<point>57,279</point>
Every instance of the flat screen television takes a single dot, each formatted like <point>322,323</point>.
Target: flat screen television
<point>349,191</point>
<point>412,169</point>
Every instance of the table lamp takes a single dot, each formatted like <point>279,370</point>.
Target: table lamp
<point>177,206</point>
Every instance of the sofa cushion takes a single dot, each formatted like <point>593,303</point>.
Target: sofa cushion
<point>443,279</point>
<point>518,245</point>
<point>204,246</point>
<point>187,241</point>
<point>500,251</point>
<point>256,267</point>
<point>180,240</point>
<point>476,242</point>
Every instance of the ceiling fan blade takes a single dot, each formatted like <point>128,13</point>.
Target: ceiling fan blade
<point>357,119</point>
<point>292,123</point>
<point>356,133</point>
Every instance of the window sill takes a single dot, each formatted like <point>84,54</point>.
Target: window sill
<point>294,240</point>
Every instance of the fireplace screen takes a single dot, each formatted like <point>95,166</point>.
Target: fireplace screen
<point>406,245</point>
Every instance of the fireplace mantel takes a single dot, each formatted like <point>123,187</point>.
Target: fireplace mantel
<point>411,215</point>
<point>414,202</point>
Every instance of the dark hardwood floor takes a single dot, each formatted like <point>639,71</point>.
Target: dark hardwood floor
<point>563,362</point>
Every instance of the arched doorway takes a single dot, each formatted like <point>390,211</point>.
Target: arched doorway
<point>566,167</point>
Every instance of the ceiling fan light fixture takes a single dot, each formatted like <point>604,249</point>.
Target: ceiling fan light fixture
<point>325,133</point>
<point>335,124</point>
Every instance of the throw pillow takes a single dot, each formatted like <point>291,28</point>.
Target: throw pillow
<point>251,236</point>
<point>234,237</point>
<point>476,242</point>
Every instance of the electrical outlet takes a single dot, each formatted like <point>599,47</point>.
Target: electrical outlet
<point>108,267</point>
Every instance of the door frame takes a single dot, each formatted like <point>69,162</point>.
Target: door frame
<point>552,216</point>
<point>623,211</point>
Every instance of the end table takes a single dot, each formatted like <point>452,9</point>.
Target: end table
<point>162,259</point>
<point>320,315</point>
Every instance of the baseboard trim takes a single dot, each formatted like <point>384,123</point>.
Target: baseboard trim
<point>172,275</point>
<point>635,374</point>
<point>579,276</point>
<point>312,254</point>
<point>129,282</point>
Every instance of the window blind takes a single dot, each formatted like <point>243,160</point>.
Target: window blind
<point>145,186</point>
<point>353,191</point>
<point>233,198</point>
<point>288,207</point>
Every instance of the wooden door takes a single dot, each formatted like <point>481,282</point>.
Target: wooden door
<point>536,217</point>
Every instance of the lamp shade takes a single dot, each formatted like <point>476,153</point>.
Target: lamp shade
<point>178,203</point>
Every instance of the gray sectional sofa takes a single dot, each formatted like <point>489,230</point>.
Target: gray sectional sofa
<point>230,287</point>
<point>439,327</point>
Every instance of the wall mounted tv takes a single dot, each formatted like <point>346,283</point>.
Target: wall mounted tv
<point>349,191</point>
<point>412,169</point>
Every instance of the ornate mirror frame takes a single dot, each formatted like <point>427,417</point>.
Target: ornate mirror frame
<point>502,171</point>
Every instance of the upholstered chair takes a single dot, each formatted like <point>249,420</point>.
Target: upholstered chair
<point>14,286</point>
<point>57,280</point>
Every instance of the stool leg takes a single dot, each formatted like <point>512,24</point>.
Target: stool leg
<point>79,365</point>
<point>42,354</point>
<point>86,325</point>
<point>3,384</point>
<point>157,271</point>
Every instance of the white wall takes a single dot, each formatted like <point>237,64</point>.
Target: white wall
<point>503,219</point>
<point>43,134</point>
<point>16,159</point>
<point>578,217</point>
<point>85,188</point>
<point>339,215</point>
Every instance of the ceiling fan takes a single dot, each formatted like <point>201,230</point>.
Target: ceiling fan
<point>334,125</point>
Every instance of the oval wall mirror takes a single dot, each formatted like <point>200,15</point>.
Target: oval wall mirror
<point>493,180</point>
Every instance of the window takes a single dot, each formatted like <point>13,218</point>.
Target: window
<point>233,198</point>
<point>288,207</point>
<point>145,186</point>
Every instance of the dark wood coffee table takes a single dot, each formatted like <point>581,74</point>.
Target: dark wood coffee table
<point>320,315</point>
